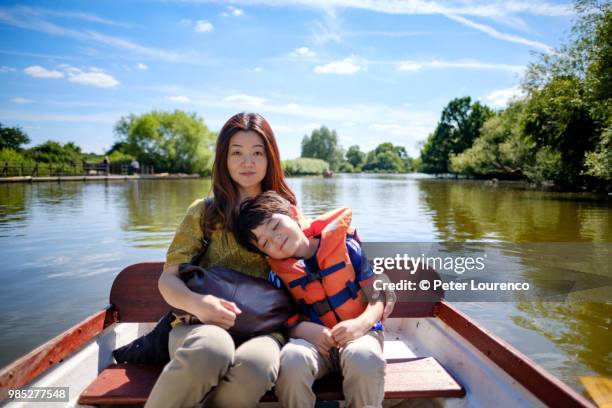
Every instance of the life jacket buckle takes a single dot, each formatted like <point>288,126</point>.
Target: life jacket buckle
<point>321,307</point>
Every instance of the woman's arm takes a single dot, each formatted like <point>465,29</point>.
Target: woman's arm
<point>208,308</point>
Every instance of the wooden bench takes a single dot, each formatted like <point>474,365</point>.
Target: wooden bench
<point>135,297</point>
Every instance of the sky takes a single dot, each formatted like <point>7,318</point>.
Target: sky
<point>373,70</point>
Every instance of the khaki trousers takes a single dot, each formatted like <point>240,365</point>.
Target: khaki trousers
<point>204,358</point>
<point>362,364</point>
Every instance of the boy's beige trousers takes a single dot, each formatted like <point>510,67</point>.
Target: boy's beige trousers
<point>361,362</point>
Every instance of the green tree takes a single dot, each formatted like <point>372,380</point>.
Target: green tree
<point>386,158</point>
<point>170,141</point>
<point>501,148</point>
<point>576,81</point>
<point>355,157</point>
<point>599,162</point>
<point>459,126</point>
<point>12,137</point>
<point>323,144</point>
<point>558,119</point>
<point>54,152</point>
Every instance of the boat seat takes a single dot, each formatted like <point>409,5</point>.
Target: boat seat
<point>128,384</point>
<point>134,297</point>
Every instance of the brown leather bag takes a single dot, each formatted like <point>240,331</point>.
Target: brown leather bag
<point>265,308</point>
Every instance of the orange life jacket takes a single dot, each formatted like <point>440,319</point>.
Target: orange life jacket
<point>332,294</point>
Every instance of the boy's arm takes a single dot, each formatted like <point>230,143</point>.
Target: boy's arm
<point>388,297</point>
<point>366,277</point>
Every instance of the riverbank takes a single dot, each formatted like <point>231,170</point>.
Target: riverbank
<point>161,176</point>
<point>599,188</point>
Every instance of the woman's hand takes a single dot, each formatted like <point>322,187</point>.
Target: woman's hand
<point>214,310</point>
<point>348,330</point>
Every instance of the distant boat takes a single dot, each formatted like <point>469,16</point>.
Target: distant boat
<point>432,351</point>
<point>328,173</point>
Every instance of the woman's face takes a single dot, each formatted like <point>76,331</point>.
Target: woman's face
<point>247,162</point>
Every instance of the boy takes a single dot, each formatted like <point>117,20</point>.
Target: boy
<point>327,273</point>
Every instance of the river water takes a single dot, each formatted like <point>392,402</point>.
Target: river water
<point>63,244</point>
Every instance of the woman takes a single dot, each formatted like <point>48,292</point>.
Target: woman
<point>204,356</point>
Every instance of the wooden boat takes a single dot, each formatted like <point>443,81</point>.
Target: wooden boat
<point>433,351</point>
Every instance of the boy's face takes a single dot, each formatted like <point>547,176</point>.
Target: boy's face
<point>279,237</point>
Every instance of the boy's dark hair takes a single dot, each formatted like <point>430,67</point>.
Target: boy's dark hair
<point>255,212</point>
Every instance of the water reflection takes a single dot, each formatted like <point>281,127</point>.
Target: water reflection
<point>475,211</point>
<point>151,210</point>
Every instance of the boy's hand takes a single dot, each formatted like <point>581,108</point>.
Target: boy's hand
<point>316,334</point>
<point>324,341</point>
<point>349,330</point>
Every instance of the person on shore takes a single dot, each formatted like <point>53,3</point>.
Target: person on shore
<point>205,363</point>
<point>326,271</point>
<point>135,166</point>
<point>106,165</point>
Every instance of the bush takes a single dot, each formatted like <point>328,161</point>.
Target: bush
<point>346,167</point>
<point>304,166</point>
<point>12,156</point>
<point>599,162</point>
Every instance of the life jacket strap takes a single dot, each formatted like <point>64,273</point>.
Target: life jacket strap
<point>351,291</point>
<point>309,277</point>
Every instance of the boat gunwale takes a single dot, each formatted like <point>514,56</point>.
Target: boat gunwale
<point>25,369</point>
<point>537,380</point>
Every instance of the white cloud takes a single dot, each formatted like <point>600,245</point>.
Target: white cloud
<point>302,52</point>
<point>386,127</point>
<point>39,11</point>
<point>242,99</point>
<point>203,26</point>
<point>418,65</point>
<point>501,97</point>
<point>179,99</point>
<point>142,66</point>
<point>235,11</point>
<point>7,69</point>
<point>283,128</point>
<point>21,100</point>
<point>500,36</point>
<point>17,18</point>
<point>344,67</point>
<point>103,118</point>
<point>363,124</point>
<point>330,28</point>
<point>95,77</point>
<point>39,72</point>
<point>409,66</point>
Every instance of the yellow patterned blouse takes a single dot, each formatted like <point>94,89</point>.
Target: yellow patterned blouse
<point>223,249</point>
